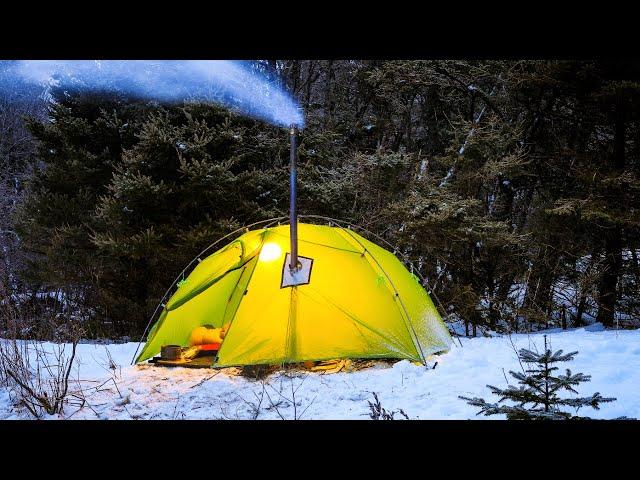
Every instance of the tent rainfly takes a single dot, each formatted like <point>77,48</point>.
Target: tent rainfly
<point>348,298</point>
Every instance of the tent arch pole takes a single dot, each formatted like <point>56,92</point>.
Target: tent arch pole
<point>268,221</point>
<point>377,237</point>
<point>424,281</point>
<point>397,294</point>
<point>264,234</point>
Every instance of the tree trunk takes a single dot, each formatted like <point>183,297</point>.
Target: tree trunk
<point>607,286</point>
<point>294,77</point>
<point>328,92</point>
<point>619,139</point>
<point>312,76</point>
<point>431,121</point>
<point>577,322</point>
<point>538,296</point>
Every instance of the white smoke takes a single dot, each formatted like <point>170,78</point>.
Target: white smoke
<point>231,83</point>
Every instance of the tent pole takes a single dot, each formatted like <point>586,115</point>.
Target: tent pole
<point>293,213</point>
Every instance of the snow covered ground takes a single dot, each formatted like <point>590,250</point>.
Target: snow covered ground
<point>612,358</point>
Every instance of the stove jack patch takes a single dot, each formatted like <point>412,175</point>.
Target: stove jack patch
<point>301,276</point>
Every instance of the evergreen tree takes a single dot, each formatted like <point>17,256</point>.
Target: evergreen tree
<point>195,173</point>
<point>539,387</point>
<point>503,183</point>
<point>78,146</point>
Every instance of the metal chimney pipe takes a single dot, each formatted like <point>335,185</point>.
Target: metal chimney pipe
<point>293,213</point>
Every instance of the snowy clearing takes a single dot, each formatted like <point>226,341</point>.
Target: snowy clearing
<point>612,358</point>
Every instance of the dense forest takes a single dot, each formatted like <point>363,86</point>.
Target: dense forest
<point>512,186</point>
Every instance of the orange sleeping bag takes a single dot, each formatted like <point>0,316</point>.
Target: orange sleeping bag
<point>207,335</point>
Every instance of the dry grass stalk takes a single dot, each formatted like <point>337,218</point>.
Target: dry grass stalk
<point>36,373</point>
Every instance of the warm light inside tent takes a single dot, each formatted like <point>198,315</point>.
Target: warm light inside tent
<point>270,251</point>
<point>330,307</point>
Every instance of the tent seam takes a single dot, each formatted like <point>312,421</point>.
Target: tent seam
<point>410,327</point>
<point>241,300</point>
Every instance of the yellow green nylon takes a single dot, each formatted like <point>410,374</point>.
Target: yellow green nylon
<point>361,302</point>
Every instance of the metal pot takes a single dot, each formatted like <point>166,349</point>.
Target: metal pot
<point>171,352</point>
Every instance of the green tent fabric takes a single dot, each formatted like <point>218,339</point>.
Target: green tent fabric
<point>357,300</point>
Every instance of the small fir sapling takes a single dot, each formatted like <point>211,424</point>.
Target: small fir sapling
<point>537,396</point>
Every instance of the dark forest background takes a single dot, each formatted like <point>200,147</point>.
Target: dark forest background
<point>512,186</point>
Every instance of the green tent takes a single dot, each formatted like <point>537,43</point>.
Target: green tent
<point>350,299</point>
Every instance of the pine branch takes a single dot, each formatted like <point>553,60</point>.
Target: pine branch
<point>593,401</point>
